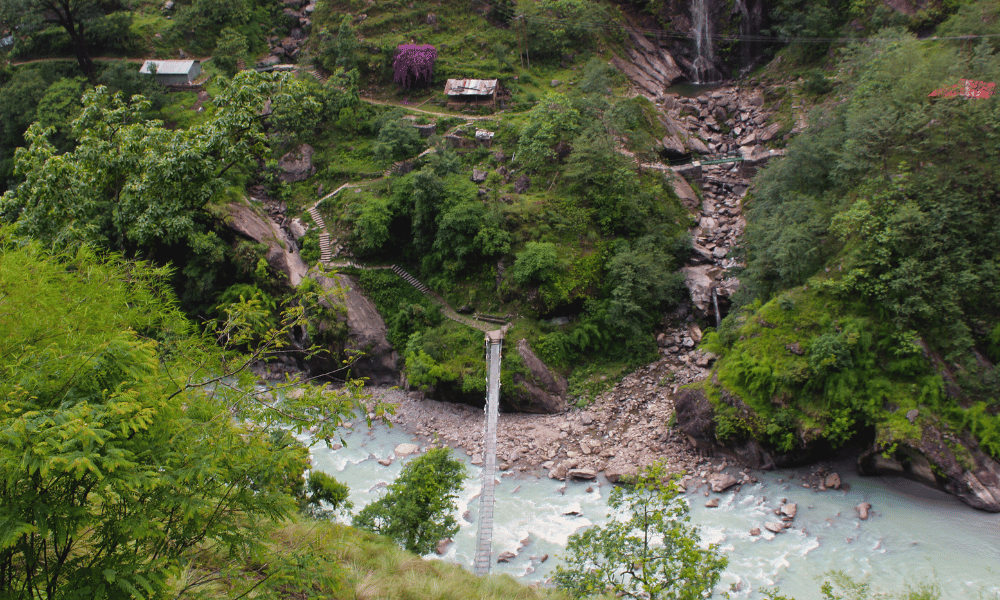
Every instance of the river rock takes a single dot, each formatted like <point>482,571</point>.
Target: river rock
<point>774,527</point>
<point>442,547</point>
<point>558,472</point>
<point>832,481</point>
<point>863,509</point>
<point>620,469</point>
<point>755,531</point>
<point>721,482</point>
<point>696,145</point>
<point>406,450</point>
<point>587,474</point>
<point>506,557</point>
<point>573,510</point>
<point>713,503</point>
<point>769,132</point>
<point>789,510</point>
<point>385,462</point>
<point>673,147</point>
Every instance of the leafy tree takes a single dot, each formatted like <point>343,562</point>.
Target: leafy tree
<point>132,185</point>
<point>74,16</point>
<point>551,121</point>
<point>325,491</point>
<point>598,174</point>
<point>59,107</point>
<point>124,77</point>
<point>126,437</point>
<point>371,229</point>
<point>537,263</point>
<point>642,282</point>
<point>340,51</point>
<point>652,553</point>
<point>558,26</point>
<point>230,49</point>
<point>416,511</point>
<point>397,139</point>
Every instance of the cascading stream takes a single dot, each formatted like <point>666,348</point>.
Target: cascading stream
<point>704,62</point>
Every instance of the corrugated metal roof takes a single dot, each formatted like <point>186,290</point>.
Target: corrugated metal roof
<point>470,87</point>
<point>969,88</point>
<point>168,67</point>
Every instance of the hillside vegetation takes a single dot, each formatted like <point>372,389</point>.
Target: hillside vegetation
<point>870,289</point>
<point>139,458</point>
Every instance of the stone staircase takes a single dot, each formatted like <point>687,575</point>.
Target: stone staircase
<point>326,257</point>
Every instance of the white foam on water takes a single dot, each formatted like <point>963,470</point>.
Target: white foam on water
<point>914,534</point>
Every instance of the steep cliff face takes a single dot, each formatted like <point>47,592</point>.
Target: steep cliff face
<point>282,251</point>
<point>704,40</point>
<point>365,340</point>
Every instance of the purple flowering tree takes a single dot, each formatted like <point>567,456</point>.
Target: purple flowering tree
<point>414,65</point>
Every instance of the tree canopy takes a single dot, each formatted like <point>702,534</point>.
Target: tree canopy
<point>416,511</point>
<point>75,16</point>
<point>126,438</point>
<point>653,552</point>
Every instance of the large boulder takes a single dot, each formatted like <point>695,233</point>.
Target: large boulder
<point>540,391</point>
<point>696,145</point>
<point>694,417</point>
<point>282,251</point>
<point>721,482</point>
<point>673,147</point>
<point>700,280</point>
<point>685,192</point>
<point>366,339</point>
<point>297,165</point>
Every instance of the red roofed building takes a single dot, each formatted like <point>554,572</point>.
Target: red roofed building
<point>966,88</point>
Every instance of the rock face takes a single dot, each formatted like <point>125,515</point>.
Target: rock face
<point>543,392</point>
<point>366,333</point>
<point>297,165</point>
<point>282,251</point>
<point>975,480</point>
<point>649,67</point>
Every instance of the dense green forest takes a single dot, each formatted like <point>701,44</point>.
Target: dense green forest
<point>140,459</point>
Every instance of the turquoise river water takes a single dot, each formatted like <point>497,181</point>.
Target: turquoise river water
<point>915,534</point>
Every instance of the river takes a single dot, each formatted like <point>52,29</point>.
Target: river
<point>915,534</point>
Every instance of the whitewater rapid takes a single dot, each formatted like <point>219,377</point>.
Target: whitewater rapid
<point>915,534</point>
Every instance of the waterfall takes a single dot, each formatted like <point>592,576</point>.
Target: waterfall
<point>704,62</point>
